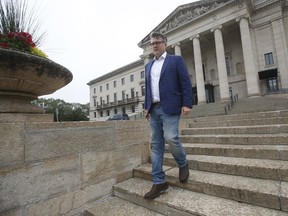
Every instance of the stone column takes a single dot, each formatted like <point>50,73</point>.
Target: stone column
<point>199,70</point>
<point>281,50</point>
<point>221,64</point>
<point>177,48</point>
<point>249,60</point>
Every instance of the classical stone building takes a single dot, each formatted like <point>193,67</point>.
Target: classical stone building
<point>230,47</point>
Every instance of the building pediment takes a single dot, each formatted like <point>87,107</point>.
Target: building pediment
<point>186,13</point>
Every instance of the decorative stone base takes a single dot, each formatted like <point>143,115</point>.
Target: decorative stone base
<point>17,102</point>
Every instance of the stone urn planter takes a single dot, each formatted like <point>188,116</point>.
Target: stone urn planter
<point>25,77</point>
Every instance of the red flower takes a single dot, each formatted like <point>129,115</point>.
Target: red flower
<point>4,44</point>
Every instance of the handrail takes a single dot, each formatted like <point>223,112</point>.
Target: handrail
<point>230,104</point>
<point>279,91</point>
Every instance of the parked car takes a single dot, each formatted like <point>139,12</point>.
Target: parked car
<point>118,116</point>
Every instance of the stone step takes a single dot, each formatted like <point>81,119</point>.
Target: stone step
<point>259,129</point>
<point>272,152</point>
<point>238,139</point>
<point>241,116</point>
<point>266,193</point>
<point>256,168</point>
<point>112,206</point>
<point>179,201</point>
<point>241,122</point>
<point>273,102</point>
<point>210,109</point>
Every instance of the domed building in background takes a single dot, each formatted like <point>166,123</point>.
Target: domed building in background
<point>231,47</point>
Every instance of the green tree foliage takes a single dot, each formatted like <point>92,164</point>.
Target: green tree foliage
<point>64,111</point>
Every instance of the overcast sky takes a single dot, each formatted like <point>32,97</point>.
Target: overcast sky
<point>94,37</point>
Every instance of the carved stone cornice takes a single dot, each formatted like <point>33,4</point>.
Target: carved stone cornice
<point>266,5</point>
<point>189,14</point>
<point>192,12</point>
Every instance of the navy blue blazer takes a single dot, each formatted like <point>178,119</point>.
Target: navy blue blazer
<point>175,87</point>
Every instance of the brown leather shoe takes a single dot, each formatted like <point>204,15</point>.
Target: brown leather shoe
<point>184,173</point>
<point>156,190</point>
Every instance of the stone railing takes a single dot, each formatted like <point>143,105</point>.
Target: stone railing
<point>50,168</point>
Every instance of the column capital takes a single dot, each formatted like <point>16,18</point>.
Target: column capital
<point>242,17</point>
<point>217,27</point>
<point>176,44</point>
<point>145,57</point>
<point>194,36</point>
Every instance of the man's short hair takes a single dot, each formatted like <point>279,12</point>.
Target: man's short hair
<point>158,35</point>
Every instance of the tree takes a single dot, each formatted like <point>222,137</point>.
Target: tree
<point>64,111</point>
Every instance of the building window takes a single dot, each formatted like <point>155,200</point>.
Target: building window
<point>142,74</point>
<point>123,110</point>
<point>108,99</point>
<point>272,84</point>
<point>143,90</point>
<point>94,90</point>
<point>108,112</point>
<point>228,66</point>
<point>115,97</point>
<point>123,95</point>
<point>132,78</point>
<point>123,81</point>
<point>95,115</point>
<point>132,93</point>
<point>115,111</point>
<point>101,100</point>
<point>269,59</point>
<point>101,113</point>
<point>115,84</point>
<point>100,88</point>
<point>133,108</point>
<point>94,102</point>
<point>107,86</point>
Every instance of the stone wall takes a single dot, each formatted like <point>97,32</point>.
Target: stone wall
<point>50,168</point>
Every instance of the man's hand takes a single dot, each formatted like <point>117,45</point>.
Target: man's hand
<point>185,110</point>
<point>146,114</point>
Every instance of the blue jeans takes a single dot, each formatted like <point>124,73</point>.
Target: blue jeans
<point>164,129</point>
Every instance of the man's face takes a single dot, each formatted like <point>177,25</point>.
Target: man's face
<point>158,46</point>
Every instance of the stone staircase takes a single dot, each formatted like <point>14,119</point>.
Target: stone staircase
<point>209,109</point>
<point>238,167</point>
<point>260,104</point>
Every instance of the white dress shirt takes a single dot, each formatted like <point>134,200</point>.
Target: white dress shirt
<point>155,77</point>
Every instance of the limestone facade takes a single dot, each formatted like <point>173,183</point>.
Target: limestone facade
<point>230,47</point>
